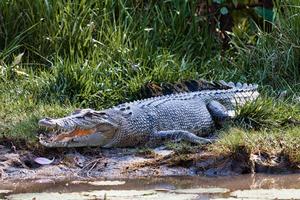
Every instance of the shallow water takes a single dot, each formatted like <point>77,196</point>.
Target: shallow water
<point>259,186</point>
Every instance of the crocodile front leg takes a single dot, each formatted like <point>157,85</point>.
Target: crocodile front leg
<point>178,135</point>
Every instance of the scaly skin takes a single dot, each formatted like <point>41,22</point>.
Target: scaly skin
<point>185,116</point>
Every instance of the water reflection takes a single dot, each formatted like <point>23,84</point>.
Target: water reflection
<point>173,184</point>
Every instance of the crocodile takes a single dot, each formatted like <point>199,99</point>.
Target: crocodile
<point>188,116</point>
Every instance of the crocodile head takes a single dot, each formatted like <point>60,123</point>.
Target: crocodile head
<point>84,127</point>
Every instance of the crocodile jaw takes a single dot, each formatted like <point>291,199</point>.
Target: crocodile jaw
<point>85,127</point>
<point>76,138</point>
<point>93,139</point>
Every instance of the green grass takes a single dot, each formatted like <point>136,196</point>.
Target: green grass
<point>20,112</point>
<point>275,142</point>
<point>268,113</point>
<point>265,126</point>
<point>56,56</point>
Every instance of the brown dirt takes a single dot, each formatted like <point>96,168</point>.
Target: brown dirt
<point>132,163</point>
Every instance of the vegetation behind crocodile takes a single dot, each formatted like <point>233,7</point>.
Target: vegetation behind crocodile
<point>183,116</point>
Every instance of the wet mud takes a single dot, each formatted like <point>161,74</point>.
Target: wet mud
<point>134,173</point>
<point>76,163</point>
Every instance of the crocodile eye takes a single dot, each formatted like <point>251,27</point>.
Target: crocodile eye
<point>88,114</point>
<point>99,114</point>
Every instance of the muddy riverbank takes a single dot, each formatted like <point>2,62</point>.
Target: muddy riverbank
<point>133,163</point>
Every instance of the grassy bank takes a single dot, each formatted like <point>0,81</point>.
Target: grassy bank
<point>56,56</point>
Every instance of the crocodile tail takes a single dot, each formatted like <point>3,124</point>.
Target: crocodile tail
<point>239,85</point>
<point>240,93</point>
<point>237,95</point>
